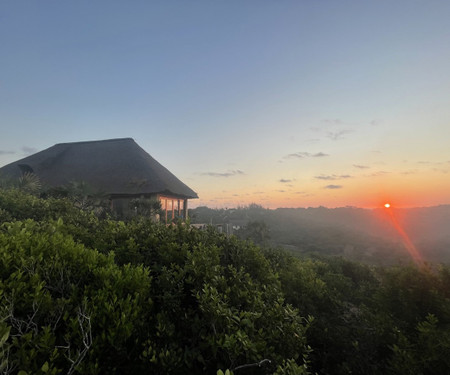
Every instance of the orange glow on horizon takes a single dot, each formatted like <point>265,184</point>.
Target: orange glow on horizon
<point>367,193</point>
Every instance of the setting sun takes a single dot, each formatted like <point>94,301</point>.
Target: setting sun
<point>387,205</point>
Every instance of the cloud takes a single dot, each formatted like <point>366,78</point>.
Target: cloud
<point>29,150</point>
<point>298,155</point>
<point>5,152</point>
<point>411,171</point>
<point>333,177</point>
<point>303,193</point>
<point>332,187</point>
<point>361,166</point>
<point>375,122</point>
<point>377,174</point>
<point>440,170</point>
<point>281,191</point>
<point>335,136</point>
<point>224,174</point>
<point>284,181</point>
<point>302,155</point>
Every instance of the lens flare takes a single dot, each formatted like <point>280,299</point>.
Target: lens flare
<point>410,247</point>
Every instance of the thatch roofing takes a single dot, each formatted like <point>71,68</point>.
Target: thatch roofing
<point>119,167</point>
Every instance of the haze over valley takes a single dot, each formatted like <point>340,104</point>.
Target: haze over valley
<point>374,236</point>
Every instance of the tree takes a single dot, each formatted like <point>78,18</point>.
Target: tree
<point>256,231</point>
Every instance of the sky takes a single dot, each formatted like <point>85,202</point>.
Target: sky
<point>281,103</point>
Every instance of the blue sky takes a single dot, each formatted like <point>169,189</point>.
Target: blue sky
<point>283,103</point>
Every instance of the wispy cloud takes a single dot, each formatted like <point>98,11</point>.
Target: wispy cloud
<point>302,155</point>
<point>433,162</point>
<point>333,177</point>
<point>332,187</point>
<point>303,193</point>
<point>377,174</point>
<point>6,152</point>
<point>223,174</point>
<point>411,171</point>
<point>375,122</point>
<point>284,181</point>
<point>29,150</point>
<point>298,155</point>
<point>338,135</point>
<point>361,166</point>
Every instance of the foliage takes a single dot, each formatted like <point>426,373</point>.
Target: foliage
<point>256,231</point>
<point>30,183</point>
<point>66,307</point>
<point>149,298</point>
<point>146,207</point>
<point>83,293</point>
<point>370,320</point>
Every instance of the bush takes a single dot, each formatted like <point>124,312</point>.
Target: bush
<point>66,307</point>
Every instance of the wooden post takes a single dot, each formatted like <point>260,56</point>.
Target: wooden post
<point>185,209</point>
<point>165,207</point>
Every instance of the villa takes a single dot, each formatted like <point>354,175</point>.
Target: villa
<point>118,167</point>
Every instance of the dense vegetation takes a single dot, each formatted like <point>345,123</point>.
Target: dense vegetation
<point>82,293</point>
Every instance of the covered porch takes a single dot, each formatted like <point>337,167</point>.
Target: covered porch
<point>173,208</point>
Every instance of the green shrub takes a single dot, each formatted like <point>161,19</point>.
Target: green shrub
<point>67,307</point>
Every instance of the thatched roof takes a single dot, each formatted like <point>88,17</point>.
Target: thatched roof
<point>115,166</point>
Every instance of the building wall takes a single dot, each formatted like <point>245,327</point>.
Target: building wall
<point>172,208</point>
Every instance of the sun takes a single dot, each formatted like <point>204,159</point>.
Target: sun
<point>387,205</point>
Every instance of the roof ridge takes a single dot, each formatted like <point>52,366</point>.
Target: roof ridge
<point>97,141</point>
